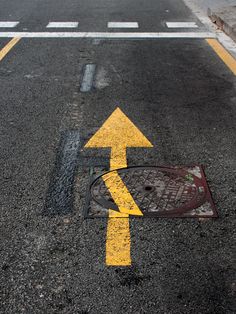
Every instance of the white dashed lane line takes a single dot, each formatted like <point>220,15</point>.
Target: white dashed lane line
<point>7,24</point>
<point>181,25</point>
<point>122,25</point>
<point>62,25</point>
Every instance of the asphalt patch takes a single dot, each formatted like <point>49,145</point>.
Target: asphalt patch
<point>59,199</point>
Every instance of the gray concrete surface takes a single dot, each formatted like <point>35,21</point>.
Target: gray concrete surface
<point>214,4</point>
<point>221,12</point>
<point>225,19</point>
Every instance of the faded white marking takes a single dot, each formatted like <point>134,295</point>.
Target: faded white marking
<point>96,41</point>
<point>88,78</point>
<point>102,81</point>
<point>107,35</point>
<point>62,25</point>
<point>181,25</point>
<point>122,25</point>
<point>204,209</point>
<point>116,72</point>
<point>8,24</point>
<point>31,76</point>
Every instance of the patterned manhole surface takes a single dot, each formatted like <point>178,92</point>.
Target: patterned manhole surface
<point>157,191</point>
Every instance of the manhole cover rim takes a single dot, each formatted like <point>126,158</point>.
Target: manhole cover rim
<point>179,171</point>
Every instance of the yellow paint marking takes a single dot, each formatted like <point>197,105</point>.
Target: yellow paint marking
<point>223,54</point>
<point>121,195</point>
<point>118,133</point>
<point>118,158</point>
<point>118,240</point>
<point>8,47</point>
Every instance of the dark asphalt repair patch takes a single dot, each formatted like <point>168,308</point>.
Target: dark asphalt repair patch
<point>158,191</point>
<point>59,199</point>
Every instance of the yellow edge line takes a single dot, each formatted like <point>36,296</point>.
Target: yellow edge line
<point>8,47</point>
<point>225,56</point>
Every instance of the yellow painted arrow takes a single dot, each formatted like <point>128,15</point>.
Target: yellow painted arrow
<point>118,133</point>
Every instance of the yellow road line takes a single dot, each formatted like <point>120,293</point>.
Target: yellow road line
<point>223,54</point>
<point>8,47</point>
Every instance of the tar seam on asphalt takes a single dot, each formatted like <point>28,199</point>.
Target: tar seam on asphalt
<point>59,199</point>
<point>88,77</point>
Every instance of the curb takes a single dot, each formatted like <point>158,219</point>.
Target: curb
<point>225,19</point>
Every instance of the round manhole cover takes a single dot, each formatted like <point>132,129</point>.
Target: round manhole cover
<point>157,191</point>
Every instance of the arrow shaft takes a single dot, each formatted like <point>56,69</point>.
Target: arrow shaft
<point>121,194</point>
<point>118,158</point>
<point>118,243</point>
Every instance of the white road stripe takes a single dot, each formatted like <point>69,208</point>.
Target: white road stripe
<point>107,35</point>
<point>181,25</point>
<point>62,25</point>
<point>122,25</point>
<point>8,24</point>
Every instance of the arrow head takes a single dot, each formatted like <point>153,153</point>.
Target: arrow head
<point>118,131</point>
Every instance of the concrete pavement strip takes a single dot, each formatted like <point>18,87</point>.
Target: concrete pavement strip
<point>225,19</point>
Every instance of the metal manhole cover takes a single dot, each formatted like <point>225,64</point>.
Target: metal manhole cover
<point>158,192</point>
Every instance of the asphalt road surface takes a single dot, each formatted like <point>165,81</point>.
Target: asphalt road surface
<point>55,94</point>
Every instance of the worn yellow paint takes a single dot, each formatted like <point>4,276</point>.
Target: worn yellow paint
<point>118,158</point>
<point>118,240</point>
<point>120,194</point>
<point>118,133</point>
<point>229,60</point>
<point>8,47</point>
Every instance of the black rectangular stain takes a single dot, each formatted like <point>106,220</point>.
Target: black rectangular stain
<point>59,199</point>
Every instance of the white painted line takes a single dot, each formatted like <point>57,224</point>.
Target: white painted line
<point>181,25</point>
<point>122,25</point>
<point>87,82</point>
<point>62,25</point>
<point>8,24</point>
<point>107,35</point>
